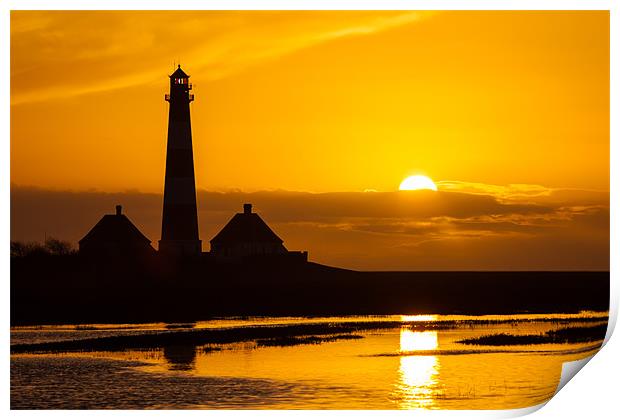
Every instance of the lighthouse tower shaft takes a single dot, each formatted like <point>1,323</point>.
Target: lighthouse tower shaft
<point>179,231</point>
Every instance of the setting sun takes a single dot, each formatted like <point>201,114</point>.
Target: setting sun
<point>417,182</point>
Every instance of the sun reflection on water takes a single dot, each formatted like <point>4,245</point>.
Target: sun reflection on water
<point>418,318</point>
<point>417,375</point>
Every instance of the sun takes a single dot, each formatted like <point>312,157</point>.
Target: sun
<point>417,182</point>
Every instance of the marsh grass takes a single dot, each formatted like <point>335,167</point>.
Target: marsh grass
<point>313,339</point>
<point>285,335</point>
<point>569,335</point>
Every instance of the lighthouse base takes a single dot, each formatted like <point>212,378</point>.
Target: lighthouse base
<point>180,247</point>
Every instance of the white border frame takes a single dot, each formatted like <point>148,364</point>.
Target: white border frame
<point>595,397</point>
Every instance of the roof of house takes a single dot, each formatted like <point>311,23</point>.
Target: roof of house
<point>246,227</point>
<point>115,228</point>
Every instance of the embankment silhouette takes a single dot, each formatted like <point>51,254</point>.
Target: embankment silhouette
<point>48,289</point>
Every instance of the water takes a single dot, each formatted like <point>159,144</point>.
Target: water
<point>407,367</point>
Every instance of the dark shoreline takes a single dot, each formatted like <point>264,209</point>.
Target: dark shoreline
<point>70,289</point>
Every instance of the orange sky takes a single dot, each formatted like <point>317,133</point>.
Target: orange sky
<point>489,103</point>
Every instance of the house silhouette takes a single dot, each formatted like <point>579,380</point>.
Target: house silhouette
<point>246,234</point>
<point>115,235</point>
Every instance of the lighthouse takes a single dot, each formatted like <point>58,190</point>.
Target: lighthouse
<point>179,230</point>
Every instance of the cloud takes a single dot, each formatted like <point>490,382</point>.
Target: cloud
<point>502,192</point>
<point>284,206</point>
<point>397,230</point>
<point>88,52</point>
<point>527,192</point>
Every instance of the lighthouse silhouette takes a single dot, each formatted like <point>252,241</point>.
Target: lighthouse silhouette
<point>179,230</point>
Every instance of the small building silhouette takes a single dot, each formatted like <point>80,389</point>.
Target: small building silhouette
<point>115,235</point>
<point>247,235</point>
